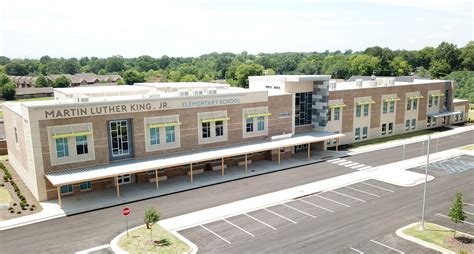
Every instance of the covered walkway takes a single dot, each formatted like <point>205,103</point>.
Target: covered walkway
<point>115,170</point>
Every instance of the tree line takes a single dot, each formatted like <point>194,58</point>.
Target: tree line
<point>444,61</point>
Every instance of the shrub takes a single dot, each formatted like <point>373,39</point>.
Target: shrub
<point>31,209</point>
<point>11,211</point>
<point>10,208</point>
<point>34,206</point>
<point>5,178</point>
<point>2,184</point>
<point>14,204</point>
<point>19,212</point>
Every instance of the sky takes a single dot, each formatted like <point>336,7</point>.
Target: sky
<point>102,28</point>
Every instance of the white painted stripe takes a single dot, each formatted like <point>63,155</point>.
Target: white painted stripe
<point>359,166</point>
<point>279,215</point>
<point>445,216</point>
<point>345,163</point>
<point>303,212</point>
<point>365,168</point>
<point>352,164</point>
<point>332,200</point>
<point>239,227</point>
<point>378,187</point>
<point>388,247</point>
<point>356,250</point>
<point>214,233</point>
<point>333,160</point>
<point>93,249</point>
<point>260,221</point>
<point>361,191</point>
<point>309,203</point>
<point>349,196</point>
<point>469,213</point>
<point>468,204</point>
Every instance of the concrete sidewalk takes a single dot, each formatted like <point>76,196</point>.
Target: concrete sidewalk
<point>406,141</point>
<point>394,173</point>
<point>134,192</point>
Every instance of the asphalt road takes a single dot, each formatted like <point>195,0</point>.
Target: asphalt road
<point>83,231</point>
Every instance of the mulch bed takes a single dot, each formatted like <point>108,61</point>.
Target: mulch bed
<point>461,243</point>
<point>5,214</point>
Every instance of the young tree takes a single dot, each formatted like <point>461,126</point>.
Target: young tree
<point>151,217</point>
<point>62,81</point>
<point>456,212</point>
<point>132,76</point>
<point>41,81</point>
<point>8,91</point>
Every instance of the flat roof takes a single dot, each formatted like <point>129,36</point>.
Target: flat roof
<point>373,84</point>
<point>184,85</point>
<point>100,89</point>
<point>292,78</point>
<point>132,166</point>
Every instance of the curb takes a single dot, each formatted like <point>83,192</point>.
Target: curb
<point>117,250</point>
<point>435,247</point>
<point>25,223</point>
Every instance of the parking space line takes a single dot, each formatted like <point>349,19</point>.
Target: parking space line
<point>260,221</point>
<point>364,168</point>
<point>469,213</point>
<point>361,191</point>
<point>239,227</point>
<point>332,200</point>
<point>388,247</point>
<point>359,166</point>
<point>342,194</point>
<point>468,204</point>
<point>334,160</point>
<point>345,163</point>
<point>378,187</point>
<point>309,203</point>
<point>445,216</point>
<point>214,233</point>
<point>352,164</point>
<point>281,216</point>
<point>303,212</point>
<point>356,250</point>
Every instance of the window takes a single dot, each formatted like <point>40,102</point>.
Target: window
<point>260,123</point>
<point>415,103</point>
<point>249,124</point>
<point>365,132</point>
<point>155,136</point>
<point>62,149</point>
<point>385,107</point>
<point>357,134</point>
<point>16,134</point>
<point>390,128</point>
<point>170,135</point>
<point>428,121</point>
<point>219,128</point>
<point>65,189</point>
<point>284,114</point>
<point>436,101</point>
<point>303,108</point>
<point>81,145</point>
<point>384,129</point>
<point>337,114</point>
<point>456,118</point>
<point>461,116</point>
<point>119,137</point>
<point>407,125</point>
<point>430,102</point>
<point>443,120</point>
<point>85,186</point>
<point>358,110</point>
<point>433,121</point>
<point>366,110</point>
<point>206,130</point>
<point>329,114</point>
<point>392,106</point>
<point>268,87</point>
<point>413,124</point>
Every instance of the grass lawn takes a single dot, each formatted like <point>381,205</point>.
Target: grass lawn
<point>471,115</point>
<point>5,197</point>
<point>395,137</point>
<point>3,157</point>
<point>138,241</point>
<point>440,236</point>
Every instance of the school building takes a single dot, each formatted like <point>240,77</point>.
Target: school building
<point>94,138</point>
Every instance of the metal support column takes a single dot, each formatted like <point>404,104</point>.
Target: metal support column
<point>279,152</point>
<point>222,166</point>
<point>191,172</point>
<point>246,163</point>
<point>309,151</point>
<point>117,186</point>
<point>59,196</point>
<point>156,178</point>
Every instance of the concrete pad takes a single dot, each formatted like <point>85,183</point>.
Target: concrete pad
<point>400,177</point>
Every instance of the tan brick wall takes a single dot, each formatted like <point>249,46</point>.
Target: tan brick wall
<point>188,128</point>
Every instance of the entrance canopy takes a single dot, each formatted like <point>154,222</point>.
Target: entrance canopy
<point>136,166</point>
<point>444,113</point>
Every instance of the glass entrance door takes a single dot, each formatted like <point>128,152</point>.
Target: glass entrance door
<point>120,139</point>
<point>124,179</point>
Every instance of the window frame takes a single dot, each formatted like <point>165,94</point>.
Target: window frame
<point>172,132</point>
<point>413,123</point>
<point>337,114</point>
<point>83,143</point>
<point>219,128</point>
<point>358,110</point>
<point>64,145</point>
<point>384,129</point>
<point>407,124</point>
<point>385,107</point>
<point>365,132</point>
<point>392,107</point>
<point>390,128</point>
<point>70,189</point>
<point>154,140</point>
<point>357,134</point>
<point>260,123</point>
<point>249,125</point>
<point>206,130</point>
<point>89,186</point>
<point>366,110</point>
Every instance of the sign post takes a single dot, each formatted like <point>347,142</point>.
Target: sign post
<point>125,212</point>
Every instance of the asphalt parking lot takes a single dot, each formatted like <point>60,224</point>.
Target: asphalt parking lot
<point>237,229</point>
<point>453,165</point>
<point>441,217</point>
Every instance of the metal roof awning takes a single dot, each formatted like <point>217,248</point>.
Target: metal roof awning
<point>444,113</point>
<point>340,105</point>
<point>79,175</point>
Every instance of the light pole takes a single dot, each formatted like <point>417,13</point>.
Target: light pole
<point>403,153</point>
<point>426,182</point>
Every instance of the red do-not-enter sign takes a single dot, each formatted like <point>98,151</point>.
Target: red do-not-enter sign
<point>126,211</point>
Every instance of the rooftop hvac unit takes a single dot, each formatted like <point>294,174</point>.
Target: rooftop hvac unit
<point>212,91</point>
<point>332,85</point>
<point>183,93</point>
<point>359,82</point>
<point>197,92</point>
<point>391,81</point>
<point>372,83</point>
<point>81,99</point>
